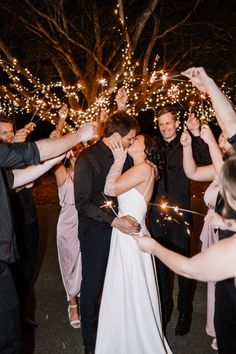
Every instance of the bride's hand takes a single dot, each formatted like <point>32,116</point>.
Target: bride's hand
<point>118,151</point>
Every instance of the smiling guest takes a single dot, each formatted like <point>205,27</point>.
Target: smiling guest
<point>174,234</point>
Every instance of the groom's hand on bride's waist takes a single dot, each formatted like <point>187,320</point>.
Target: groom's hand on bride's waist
<point>126,224</point>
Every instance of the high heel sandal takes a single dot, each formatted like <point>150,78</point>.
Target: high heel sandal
<point>74,323</point>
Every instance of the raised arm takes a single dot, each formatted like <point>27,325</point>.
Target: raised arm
<point>224,110</point>
<point>30,173</point>
<point>192,171</point>
<point>49,148</point>
<point>216,155</point>
<point>215,264</point>
<point>116,183</point>
<point>121,99</point>
<point>21,134</point>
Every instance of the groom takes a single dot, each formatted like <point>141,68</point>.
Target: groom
<point>96,222</point>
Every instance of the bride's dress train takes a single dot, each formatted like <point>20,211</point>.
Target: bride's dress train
<point>130,314</point>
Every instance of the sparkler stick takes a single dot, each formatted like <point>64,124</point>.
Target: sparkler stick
<point>45,114</point>
<point>176,208</point>
<point>37,109</point>
<point>171,79</point>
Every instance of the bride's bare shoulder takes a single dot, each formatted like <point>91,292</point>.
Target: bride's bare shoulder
<point>152,166</point>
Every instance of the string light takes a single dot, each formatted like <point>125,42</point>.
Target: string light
<point>156,88</point>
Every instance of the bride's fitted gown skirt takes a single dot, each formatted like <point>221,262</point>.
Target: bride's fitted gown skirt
<point>130,315</point>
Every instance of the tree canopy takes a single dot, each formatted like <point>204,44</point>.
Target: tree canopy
<point>81,51</point>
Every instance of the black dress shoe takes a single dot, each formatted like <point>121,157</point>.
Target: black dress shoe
<point>88,351</point>
<point>183,324</point>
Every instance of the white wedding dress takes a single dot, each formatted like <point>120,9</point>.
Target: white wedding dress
<point>130,313</point>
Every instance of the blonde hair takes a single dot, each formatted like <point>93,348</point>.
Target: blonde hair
<point>227,181</point>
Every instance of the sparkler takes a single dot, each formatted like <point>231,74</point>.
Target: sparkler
<point>176,208</point>
<point>37,109</point>
<point>108,204</point>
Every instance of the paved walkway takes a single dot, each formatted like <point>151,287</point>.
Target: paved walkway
<point>54,335</point>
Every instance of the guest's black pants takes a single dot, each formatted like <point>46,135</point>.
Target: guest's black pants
<point>225,316</point>
<point>175,238</point>
<point>26,225</point>
<point>10,332</point>
<point>94,250</point>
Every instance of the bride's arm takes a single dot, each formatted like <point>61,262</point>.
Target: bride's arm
<point>135,176</point>
<point>116,183</point>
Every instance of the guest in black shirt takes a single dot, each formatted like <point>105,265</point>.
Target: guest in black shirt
<point>169,228</point>
<point>15,156</point>
<point>26,223</point>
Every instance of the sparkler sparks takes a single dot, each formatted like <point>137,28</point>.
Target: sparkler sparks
<point>164,206</point>
<point>108,204</point>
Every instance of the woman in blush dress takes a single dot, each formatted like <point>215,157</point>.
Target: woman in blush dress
<point>68,244</point>
<point>217,263</point>
<point>130,312</point>
<point>209,234</point>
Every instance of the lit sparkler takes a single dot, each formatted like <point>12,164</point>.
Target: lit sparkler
<point>103,82</point>
<point>164,206</point>
<point>108,204</point>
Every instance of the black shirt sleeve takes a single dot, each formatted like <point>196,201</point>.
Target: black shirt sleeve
<point>84,184</point>
<point>232,141</point>
<point>18,155</point>
<point>201,151</point>
<point>8,178</point>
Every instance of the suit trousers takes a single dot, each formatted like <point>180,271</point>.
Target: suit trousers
<point>26,225</point>
<point>95,245</point>
<point>176,238</point>
<point>10,331</point>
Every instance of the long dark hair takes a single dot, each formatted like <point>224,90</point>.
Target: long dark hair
<point>153,153</point>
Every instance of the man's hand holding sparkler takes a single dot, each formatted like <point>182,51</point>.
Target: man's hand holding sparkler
<point>21,134</point>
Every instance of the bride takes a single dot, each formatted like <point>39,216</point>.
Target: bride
<point>130,314</point>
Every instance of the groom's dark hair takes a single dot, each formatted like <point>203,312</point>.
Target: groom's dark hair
<point>5,119</point>
<point>120,122</point>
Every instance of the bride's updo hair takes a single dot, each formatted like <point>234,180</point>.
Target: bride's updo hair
<point>153,153</point>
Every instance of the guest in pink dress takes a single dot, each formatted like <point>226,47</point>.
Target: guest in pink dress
<point>209,236</point>
<point>68,244</point>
